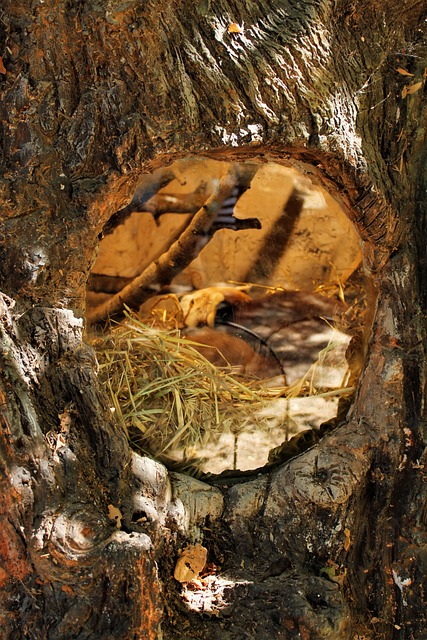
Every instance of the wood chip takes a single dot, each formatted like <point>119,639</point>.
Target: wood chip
<point>190,563</point>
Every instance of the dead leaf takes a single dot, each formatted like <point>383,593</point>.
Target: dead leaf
<point>190,563</point>
<point>67,589</point>
<point>2,67</point>
<point>65,421</point>
<point>60,442</point>
<point>235,28</point>
<point>340,579</point>
<point>403,72</point>
<point>414,87</point>
<point>347,541</point>
<point>409,89</point>
<point>115,514</point>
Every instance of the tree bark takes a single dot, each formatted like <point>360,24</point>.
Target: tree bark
<point>333,543</point>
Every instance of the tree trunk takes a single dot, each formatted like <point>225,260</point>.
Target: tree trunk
<point>333,543</point>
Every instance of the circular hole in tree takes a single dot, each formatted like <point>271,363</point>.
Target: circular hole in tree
<point>242,288</point>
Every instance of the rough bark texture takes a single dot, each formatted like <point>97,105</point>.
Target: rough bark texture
<point>93,94</point>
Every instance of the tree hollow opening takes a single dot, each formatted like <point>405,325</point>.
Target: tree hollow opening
<point>246,314</point>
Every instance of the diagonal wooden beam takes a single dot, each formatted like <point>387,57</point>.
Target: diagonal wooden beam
<point>179,255</point>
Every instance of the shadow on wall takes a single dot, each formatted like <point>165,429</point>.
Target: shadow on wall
<point>305,238</point>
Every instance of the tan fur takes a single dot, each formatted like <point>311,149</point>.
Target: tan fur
<point>225,350</point>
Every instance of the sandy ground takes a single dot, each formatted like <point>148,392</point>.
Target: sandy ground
<point>298,346</point>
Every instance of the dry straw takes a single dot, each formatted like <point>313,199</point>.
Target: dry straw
<point>170,400</point>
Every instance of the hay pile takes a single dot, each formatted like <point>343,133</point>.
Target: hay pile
<point>170,400</point>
